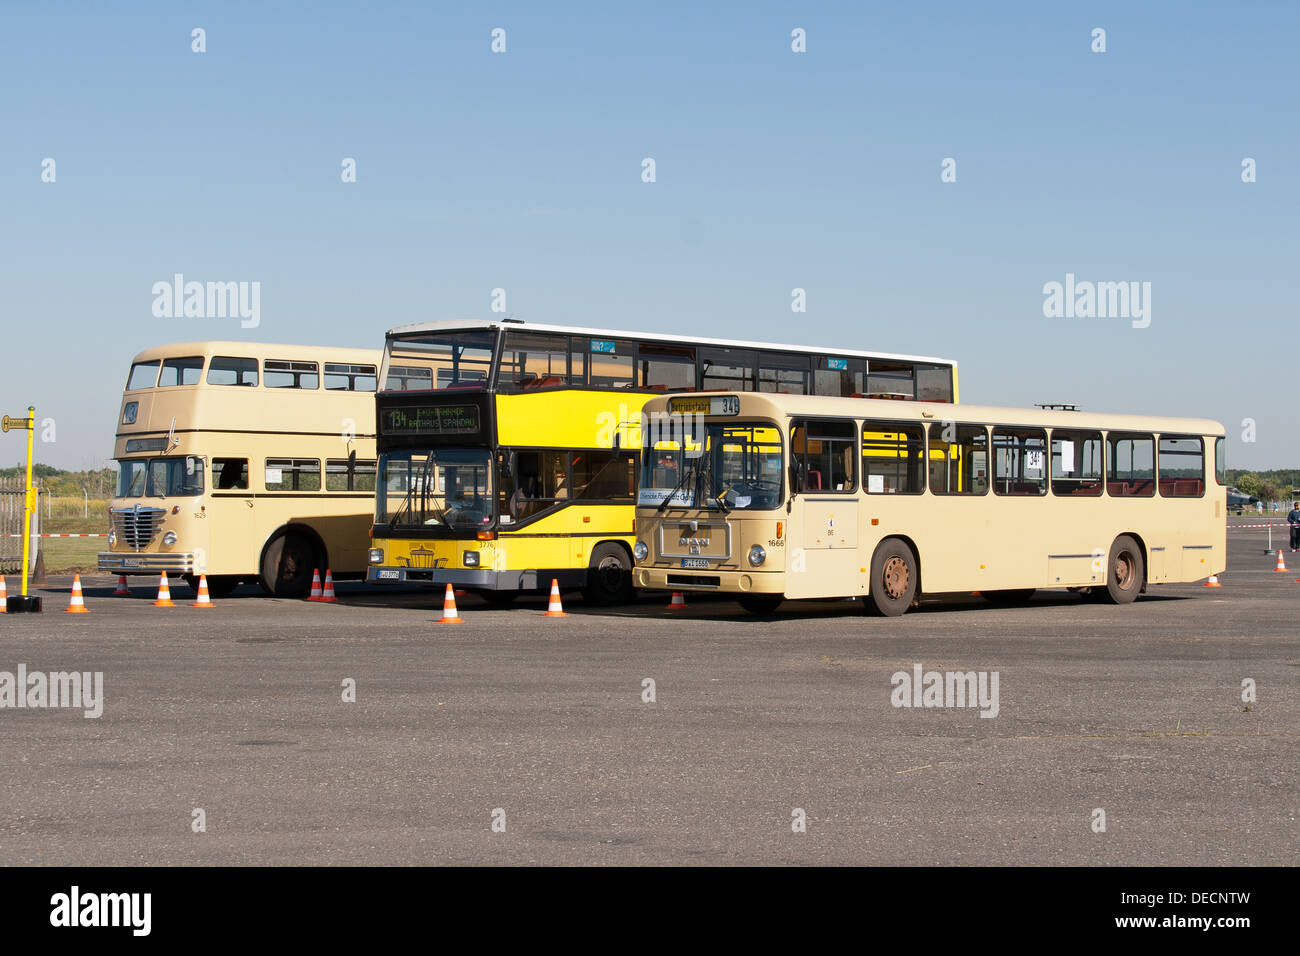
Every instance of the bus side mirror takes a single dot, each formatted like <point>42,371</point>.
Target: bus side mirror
<point>794,479</point>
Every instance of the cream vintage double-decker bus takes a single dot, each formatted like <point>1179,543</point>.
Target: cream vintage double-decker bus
<point>247,462</point>
<point>782,496</point>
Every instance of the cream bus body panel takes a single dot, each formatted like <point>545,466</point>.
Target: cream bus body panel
<point>224,531</point>
<point>964,542</point>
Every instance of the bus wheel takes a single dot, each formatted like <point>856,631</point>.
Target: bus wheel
<point>287,566</point>
<point>1010,597</point>
<point>498,598</point>
<point>609,576</point>
<point>219,585</point>
<point>760,604</point>
<point>893,579</point>
<point>1124,579</point>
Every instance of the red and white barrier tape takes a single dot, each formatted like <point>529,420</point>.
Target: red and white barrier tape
<point>60,536</point>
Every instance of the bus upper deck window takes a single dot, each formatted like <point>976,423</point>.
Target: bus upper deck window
<point>350,378</point>
<point>180,371</point>
<point>143,375</point>
<point>281,374</point>
<point>228,370</point>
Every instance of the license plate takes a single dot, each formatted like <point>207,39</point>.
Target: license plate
<point>390,575</point>
<point>130,562</point>
<point>698,564</point>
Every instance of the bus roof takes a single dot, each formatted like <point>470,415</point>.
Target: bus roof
<point>257,350</point>
<point>449,325</point>
<point>770,405</point>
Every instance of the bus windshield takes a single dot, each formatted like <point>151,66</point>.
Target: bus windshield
<point>180,477</point>
<point>421,363</point>
<point>448,488</point>
<point>737,467</point>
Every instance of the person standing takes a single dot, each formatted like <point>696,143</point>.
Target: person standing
<point>1293,519</point>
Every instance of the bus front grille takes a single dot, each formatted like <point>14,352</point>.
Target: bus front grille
<point>137,526</point>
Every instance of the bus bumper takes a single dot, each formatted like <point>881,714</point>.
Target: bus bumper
<point>126,563</point>
<point>731,582</point>
<point>484,579</point>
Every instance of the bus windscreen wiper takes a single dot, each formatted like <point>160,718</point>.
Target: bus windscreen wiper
<point>686,473</point>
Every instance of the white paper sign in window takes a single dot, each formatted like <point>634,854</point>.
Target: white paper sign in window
<point>1067,457</point>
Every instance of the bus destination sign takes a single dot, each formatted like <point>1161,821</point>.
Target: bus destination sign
<point>430,420</point>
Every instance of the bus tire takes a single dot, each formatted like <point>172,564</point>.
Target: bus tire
<point>288,563</point>
<point>219,585</point>
<point>893,579</point>
<point>760,604</point>
<point>1125,571</point>
<point>1008,598</point>
<point>609,575</point>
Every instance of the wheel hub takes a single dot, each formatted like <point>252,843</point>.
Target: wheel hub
<point>896,577</point>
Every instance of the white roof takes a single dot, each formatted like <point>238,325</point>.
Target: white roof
<point>449,325</point>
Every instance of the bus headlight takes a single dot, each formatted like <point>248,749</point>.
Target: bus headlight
<point>471,559</point>
<point>640,552</point>
<point>757,555</point>
<point>169,538</point>
<point>112,538</point>
<point>376,556</point>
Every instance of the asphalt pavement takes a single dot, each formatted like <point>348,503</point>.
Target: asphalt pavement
<point>519,739</point>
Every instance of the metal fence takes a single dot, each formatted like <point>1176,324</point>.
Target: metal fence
<point>11,527</point>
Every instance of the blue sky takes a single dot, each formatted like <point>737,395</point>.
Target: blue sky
<point>775,170</point>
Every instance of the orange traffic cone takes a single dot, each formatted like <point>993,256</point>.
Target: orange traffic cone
<point>1213,582</point>
<point>678,601</point>
<point>315,585</point>
<point>203,600</point>
<point>4,596</point>
<point>1281,565</point>
<point>77,605</point>
<point>555,608</point>
<point>164,593</point>
<point>449,614</point>
<point>327,596</point>
<point>122,589</point>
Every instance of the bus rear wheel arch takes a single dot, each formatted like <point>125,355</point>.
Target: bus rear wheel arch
<point>609,575</point>
<point>1125,571</point>
<point>895,578</point>
<point>288,561</point>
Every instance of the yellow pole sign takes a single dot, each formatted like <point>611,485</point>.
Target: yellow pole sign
<point>29,504</point>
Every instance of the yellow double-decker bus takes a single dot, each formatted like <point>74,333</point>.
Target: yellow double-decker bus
<point>509,452</point>
<point>771,497</point>
<point>246,462</point>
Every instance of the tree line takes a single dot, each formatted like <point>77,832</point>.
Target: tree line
<point>96,483</point>
<point>1275,485</point>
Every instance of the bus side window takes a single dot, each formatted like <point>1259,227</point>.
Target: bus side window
<point>230,473</point>
<point>959,461</point>
<point>823,454</point>
<point>1130,465</point>
<point>1076,462</point>
<point>1019,461</point>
